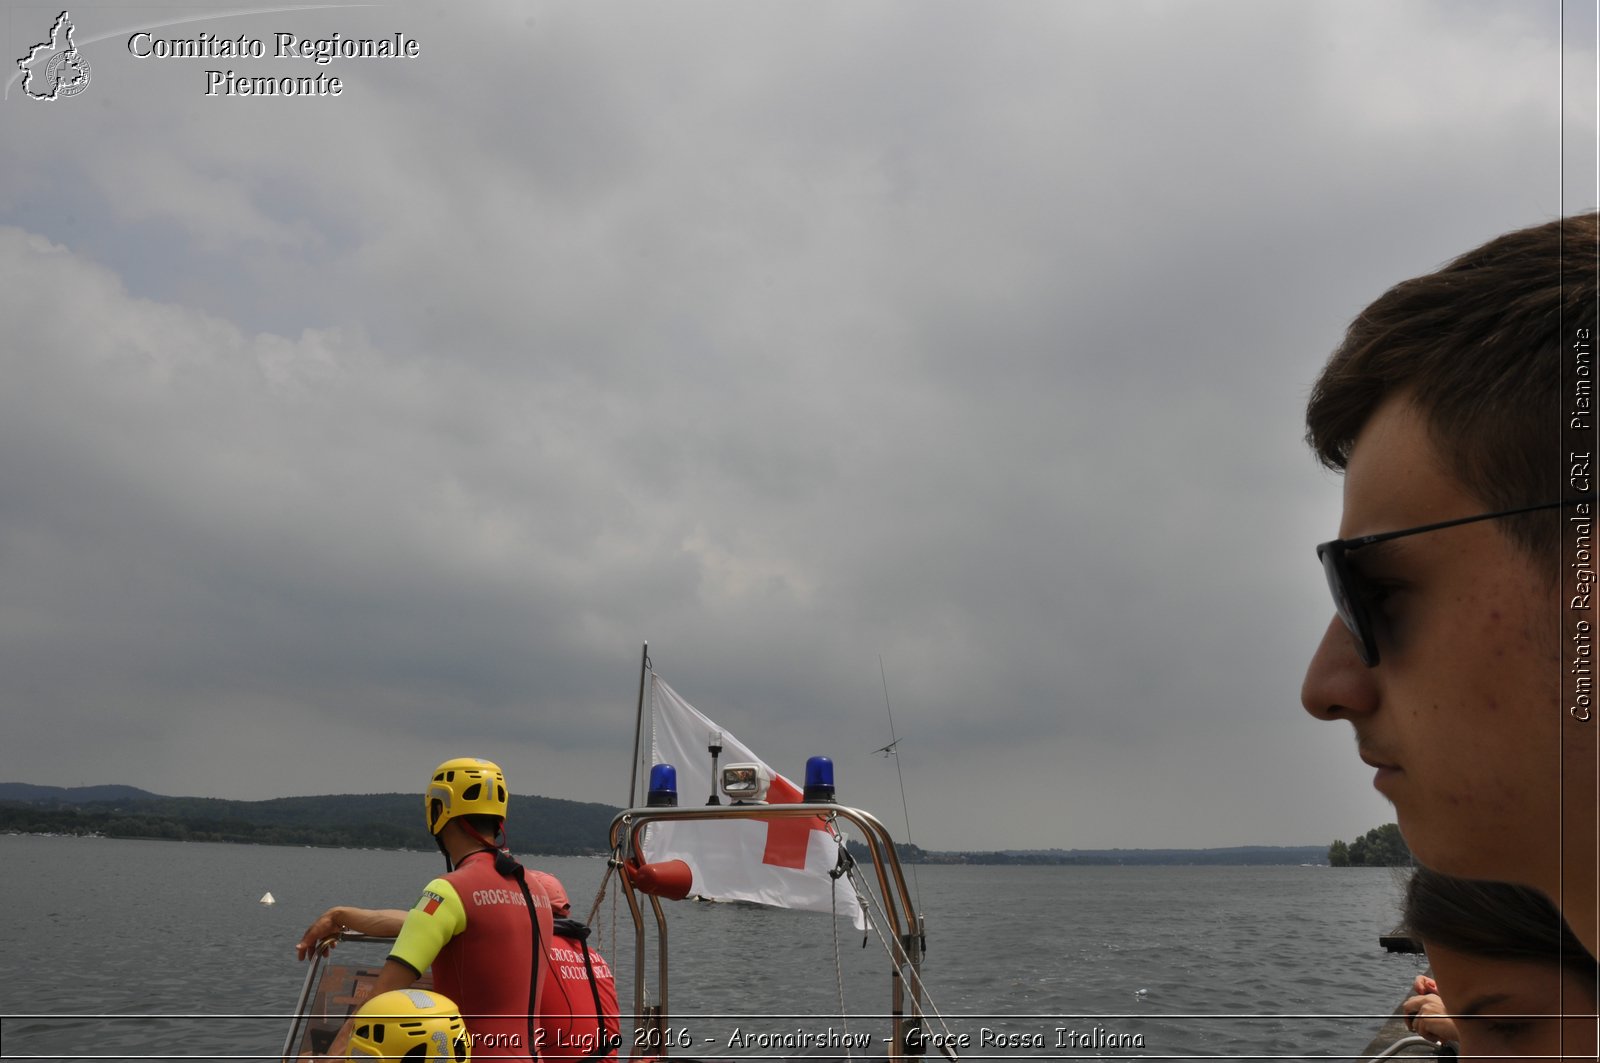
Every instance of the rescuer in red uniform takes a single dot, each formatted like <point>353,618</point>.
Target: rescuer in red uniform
<point>484,926</point>
<point>578,1006</point>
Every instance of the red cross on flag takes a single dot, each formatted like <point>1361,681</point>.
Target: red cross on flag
<point>781,862</point>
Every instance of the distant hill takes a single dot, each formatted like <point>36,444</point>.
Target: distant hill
<point>1242,855</point>
<point>1232,855</point>
<point>74,795</point>
<point>538,825</point>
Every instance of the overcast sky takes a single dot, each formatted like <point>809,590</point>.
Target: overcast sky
<point>340,435</point>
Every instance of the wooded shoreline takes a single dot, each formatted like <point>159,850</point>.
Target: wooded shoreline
<point>543,825</point>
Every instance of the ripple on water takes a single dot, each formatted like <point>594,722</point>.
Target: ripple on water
<point>176,929</point>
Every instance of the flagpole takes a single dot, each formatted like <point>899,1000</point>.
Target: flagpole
<point>638,727</point>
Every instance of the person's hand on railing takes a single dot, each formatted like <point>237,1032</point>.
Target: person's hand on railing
<point>1426,1014</point>
<point>326,926</point>
<point>374,922</point>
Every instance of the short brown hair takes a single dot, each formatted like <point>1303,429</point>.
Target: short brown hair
<point>1478,345</point>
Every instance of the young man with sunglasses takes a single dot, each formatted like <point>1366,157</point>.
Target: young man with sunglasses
<point>1460,409</point>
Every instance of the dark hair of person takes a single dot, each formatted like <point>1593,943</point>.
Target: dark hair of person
<point>1482,346</point>
<point>1491,919</point>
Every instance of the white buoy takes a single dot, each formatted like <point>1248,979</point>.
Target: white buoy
<point>266,898</point>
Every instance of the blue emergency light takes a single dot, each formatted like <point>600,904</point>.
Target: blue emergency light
<point>663,787</point>
<point>819,780</point>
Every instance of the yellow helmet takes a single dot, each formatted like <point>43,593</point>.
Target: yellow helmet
<point>465,786</point>
<point>411,1024</point>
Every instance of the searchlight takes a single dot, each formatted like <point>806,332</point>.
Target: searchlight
<point>746,784</point>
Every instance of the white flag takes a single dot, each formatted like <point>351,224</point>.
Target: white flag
<point>781,862</point>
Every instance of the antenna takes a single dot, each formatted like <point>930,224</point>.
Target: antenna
<point>638,725</point>
<point>892,750</point>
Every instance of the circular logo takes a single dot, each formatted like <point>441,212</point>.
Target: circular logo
<point>67,73</point>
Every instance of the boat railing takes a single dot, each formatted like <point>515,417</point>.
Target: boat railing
<point>905,937</point>
<point>330,995</point>
<point>1403,1045</point>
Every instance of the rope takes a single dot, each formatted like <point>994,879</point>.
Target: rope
<point>838,965</point>
<point>868,902</point>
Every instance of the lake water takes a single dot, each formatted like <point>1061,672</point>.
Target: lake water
<point>147,949</point>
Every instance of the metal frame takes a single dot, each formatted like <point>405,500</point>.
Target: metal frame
<point>1400,1046</point>
<point>298,1024</point>
<point>905,924</point>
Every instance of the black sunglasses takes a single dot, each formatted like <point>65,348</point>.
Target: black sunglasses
<point>1350,593</point>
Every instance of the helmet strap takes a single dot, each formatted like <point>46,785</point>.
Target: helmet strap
<point>486,845</point>
<point>472,832</point>
<point>504,862</point>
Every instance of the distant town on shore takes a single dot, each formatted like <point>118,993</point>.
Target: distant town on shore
<point>543,825</point>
